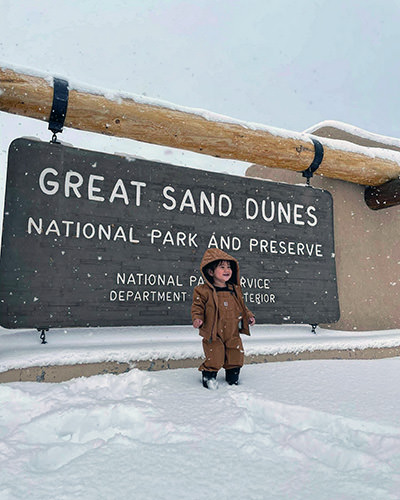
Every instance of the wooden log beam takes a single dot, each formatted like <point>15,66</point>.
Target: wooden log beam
<point>198,131</point>
<point>384,196</point>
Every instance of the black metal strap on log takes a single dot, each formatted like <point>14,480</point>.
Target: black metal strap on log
<point>59,107</point>
<point>318,156</point>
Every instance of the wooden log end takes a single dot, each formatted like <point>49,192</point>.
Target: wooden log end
<point>383,196</point>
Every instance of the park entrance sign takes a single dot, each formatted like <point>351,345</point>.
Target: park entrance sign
<point>93,239</point>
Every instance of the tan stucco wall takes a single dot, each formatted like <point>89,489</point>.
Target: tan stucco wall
<point>367,253</point>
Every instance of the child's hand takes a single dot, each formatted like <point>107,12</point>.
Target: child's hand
<point>252,321</point>
<point>197,323</point>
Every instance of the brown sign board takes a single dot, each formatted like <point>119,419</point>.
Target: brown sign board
<point>93,239</point>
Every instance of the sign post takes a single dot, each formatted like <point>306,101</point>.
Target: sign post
<point>93,239</point>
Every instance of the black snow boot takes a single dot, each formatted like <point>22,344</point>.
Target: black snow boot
<point>232,376</point>
<point>210,380</point>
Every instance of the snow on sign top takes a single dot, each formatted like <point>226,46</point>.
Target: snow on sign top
<point>92,239</point>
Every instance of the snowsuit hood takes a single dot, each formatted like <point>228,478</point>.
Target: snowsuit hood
<point>213,254</point>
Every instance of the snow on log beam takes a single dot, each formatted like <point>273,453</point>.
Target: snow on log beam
<point>156,122</point>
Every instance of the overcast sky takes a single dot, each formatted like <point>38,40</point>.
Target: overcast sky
<point>284,63</point>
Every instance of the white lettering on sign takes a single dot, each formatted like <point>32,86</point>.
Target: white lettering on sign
<point>255,282</point>
<point>68,228</point>
<point>285,247</point>
<point>70,184</point>
<point>281,212</point>
<point>119,191</point>
<point>48,186</point>
<point>225,242</point>
<point>74,182</point>
<point>148,279</point>
<point>178,238</point>
<point>195,280</point>
<point>94,189</point>
<point>220,205</point>
<point>147,296</point>
<point>259,298</point>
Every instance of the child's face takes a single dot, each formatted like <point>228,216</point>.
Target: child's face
<point>222,273</point>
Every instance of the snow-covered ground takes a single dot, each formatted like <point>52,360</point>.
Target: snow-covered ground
<point>310,430</point>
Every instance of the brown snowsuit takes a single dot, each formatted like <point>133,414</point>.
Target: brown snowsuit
<point>224,315</point>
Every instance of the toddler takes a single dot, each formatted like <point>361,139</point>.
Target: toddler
<point>219,311</point>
